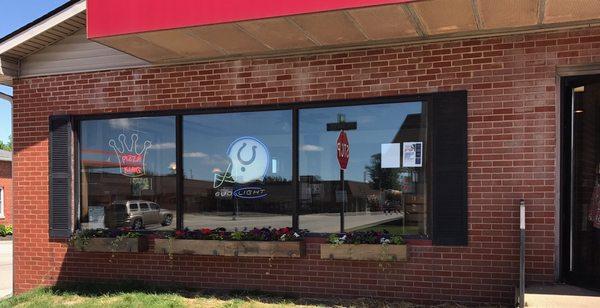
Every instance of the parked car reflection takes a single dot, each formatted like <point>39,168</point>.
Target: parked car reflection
<point>136,214</point>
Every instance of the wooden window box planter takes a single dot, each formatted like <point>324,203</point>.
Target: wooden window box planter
<point>364,252</point>
<point>104,244</point>
<point>292,249</point>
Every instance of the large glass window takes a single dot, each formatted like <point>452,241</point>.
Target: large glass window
<point>127,164</point>
<point>385,180</point>
<point>238,170</point>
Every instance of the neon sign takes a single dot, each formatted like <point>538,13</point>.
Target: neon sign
<point>132,160</point>
<point>250,192</point>
<point>222,177</point>
<point>249,162</point>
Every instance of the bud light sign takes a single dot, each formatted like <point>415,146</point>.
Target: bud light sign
<point>251,192</point>
<point>249,160</point>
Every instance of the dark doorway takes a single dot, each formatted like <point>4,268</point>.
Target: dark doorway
<point>580,218</point>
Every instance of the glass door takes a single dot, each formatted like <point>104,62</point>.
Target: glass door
<point>581,218</point>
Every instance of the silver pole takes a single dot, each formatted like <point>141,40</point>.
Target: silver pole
<point>522,255</point>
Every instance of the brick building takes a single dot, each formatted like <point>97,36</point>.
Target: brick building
<point>5,187</point>
<point>498,96</point>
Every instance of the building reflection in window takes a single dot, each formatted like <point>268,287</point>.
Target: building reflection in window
<point>238,170</point>
<point>126,165</point>
<point>391,198</point>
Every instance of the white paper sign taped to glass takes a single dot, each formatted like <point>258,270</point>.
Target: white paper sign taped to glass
<point>412,154</point>
<point>390,155</point>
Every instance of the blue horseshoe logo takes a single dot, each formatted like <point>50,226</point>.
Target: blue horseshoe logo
<point>250,159</point>
<point>246,162</point>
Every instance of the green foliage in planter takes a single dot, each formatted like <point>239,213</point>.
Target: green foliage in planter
<point>366,237</point>
<point>221,234</point>
<point>81,238</point>
<point>6,230</point>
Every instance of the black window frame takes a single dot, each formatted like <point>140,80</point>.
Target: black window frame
<point>426,99</point>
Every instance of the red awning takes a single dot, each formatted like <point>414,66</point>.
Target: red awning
<point>185,31</point>
<point>117,17</point>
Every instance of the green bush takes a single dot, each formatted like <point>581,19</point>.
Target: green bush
<point>6,230</point>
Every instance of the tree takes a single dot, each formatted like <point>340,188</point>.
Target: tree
<point>7,146</point>
<point>382,178</point>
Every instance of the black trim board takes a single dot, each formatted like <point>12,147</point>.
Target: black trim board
<point>449,192</point>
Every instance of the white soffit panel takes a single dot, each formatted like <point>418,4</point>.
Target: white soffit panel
<point>44,26</point>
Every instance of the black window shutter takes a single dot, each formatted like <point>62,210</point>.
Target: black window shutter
<point>448,123</point>
<point>60,177</point>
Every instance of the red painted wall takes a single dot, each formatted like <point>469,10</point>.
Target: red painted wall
<point>6,184</point>
<point>115,17</point>
<point>511,82</point>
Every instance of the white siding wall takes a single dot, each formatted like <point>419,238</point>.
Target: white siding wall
<point>76,54</point>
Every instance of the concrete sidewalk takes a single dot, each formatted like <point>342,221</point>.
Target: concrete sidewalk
<point>6,268</point>
<point>561,296</point>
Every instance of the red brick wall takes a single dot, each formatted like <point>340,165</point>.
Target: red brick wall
<point>511,83</point>
<point>6,184</point>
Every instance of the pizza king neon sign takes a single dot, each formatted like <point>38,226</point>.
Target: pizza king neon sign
<point>132,159</point>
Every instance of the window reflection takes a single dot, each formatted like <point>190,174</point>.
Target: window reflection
<point>238,170</point>
<point>127,174</point>
<point>385,177</point>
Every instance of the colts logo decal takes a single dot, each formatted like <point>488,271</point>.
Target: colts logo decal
<point>249,160</point>
<point>132,159</point>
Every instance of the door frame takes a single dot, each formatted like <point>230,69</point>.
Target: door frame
<point>567,78</point>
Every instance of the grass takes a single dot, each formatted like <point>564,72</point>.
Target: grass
<point>137,295</point>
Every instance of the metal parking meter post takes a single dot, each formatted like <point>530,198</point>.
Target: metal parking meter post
<point>522,254</point>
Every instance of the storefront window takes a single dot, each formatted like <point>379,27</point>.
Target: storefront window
<point>385,179</point>
<point>128,173</point>
<point>238,170</point>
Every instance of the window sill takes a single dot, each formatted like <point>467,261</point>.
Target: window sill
<point>419,242</point>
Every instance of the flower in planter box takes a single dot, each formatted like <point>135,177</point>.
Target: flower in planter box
<point>221,234</point>
<point>366,237</point>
